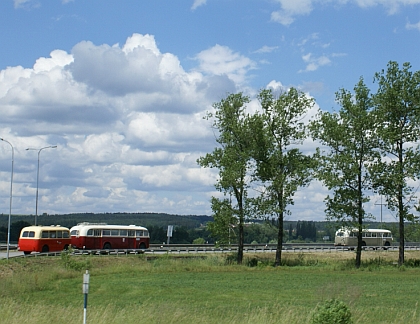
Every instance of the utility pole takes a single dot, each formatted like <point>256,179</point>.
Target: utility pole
<point>381,204</point>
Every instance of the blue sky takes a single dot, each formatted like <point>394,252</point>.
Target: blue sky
<point>121,88</point>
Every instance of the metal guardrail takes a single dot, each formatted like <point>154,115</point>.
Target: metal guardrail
<point>208,248</point>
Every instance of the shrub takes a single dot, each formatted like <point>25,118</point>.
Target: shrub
<point>70,263</point>
<point>332,311</point>
<point>199,240</point>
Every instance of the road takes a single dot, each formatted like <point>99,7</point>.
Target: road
<point>208,248</point>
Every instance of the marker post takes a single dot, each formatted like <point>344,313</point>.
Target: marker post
<point>85,293</point>
<point>169,232</point>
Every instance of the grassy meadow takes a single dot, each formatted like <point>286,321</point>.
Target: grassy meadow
<point>208,289</point>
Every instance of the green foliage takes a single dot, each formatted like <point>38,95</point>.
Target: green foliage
<point>397,105</point>
<point>144,219</point>
<point>69,262</point>
<point>332,311</point>
<point>15,228</point>
<point>182,289</point>
<point>280,166</point>
<point>223,226</point>
<point>199,240</point>
<point>260,232</point>
<point>412,263</point>
<point>306,229</point>
<point>232,159</point>
<point>350,149</point>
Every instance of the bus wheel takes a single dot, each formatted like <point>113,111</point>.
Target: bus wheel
<point>66,247</point>
<point>45,248</point>
<point>27,252</point>
<point>387,245</point>
<point>142,246</point>
<point>107,246</point>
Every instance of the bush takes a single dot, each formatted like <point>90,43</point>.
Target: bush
<point>332,311</point>
<point>199,240</point>
<point>70,263</point>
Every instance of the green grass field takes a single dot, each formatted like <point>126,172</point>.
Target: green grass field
<point>145,289</point>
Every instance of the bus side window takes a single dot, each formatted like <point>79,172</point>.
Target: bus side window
<point>25,234</point>
<point>31,234</point>
<point>59,234</point>
<point>123,232</point>
<point>44,234</point>
<point>89,232</point>
<point>114,232</point>
<point>146,233</point>
<point>53,234</point>
<point>139,233</point>
<point>131,233</point>
<point>66,234</point>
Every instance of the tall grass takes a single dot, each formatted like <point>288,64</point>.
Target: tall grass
<point>207,289</point>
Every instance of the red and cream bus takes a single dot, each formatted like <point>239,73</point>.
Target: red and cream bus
<point>96,236</point>
<point>44,239</point>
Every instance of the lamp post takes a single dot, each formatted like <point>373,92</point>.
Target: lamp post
<point>10,207</point>
<point>37,177</point>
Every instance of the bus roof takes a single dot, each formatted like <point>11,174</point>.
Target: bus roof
<point>84,227</point>
<point>39,228</point>
<point>367,230</point>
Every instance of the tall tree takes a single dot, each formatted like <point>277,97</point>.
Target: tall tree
<point>232,159</point>
<point>280,166</point>
<point>349,150</point>
<point>397,112</point>
<point>222,227</point>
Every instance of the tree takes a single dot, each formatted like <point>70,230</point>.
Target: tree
<point>397,112</point>
<point>280,166</point>
<point>16,228</point>
<point>222,228</point>
<point>344,163</point>
<point>306,230</point>
<point>233,161</point>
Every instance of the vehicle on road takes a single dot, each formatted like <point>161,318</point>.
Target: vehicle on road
<point>370,237</point>
<point>44,239</point>
<point>96,236</point>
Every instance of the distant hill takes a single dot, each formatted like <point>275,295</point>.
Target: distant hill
<point>143,219</point>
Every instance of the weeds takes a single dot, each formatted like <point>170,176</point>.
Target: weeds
<point>70,262</point>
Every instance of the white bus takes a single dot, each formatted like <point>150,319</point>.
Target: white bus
<point>370,237</point>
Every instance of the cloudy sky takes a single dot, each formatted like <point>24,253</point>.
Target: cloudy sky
<point>120,87</point>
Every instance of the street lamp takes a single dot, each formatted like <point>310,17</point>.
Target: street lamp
<point>37,177</point>
<point>10,207</point>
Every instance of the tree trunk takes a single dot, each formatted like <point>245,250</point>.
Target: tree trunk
<point>401,206</point>
<point>241,242</point>
<point>359,247</point>
<point>279,241</point>
<point>359,219</point>
<point>401,231</point>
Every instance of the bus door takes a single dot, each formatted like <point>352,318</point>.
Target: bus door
<point>132,239</point>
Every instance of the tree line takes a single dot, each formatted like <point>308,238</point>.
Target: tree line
<point>370,145</point>
<point>254,233</point>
